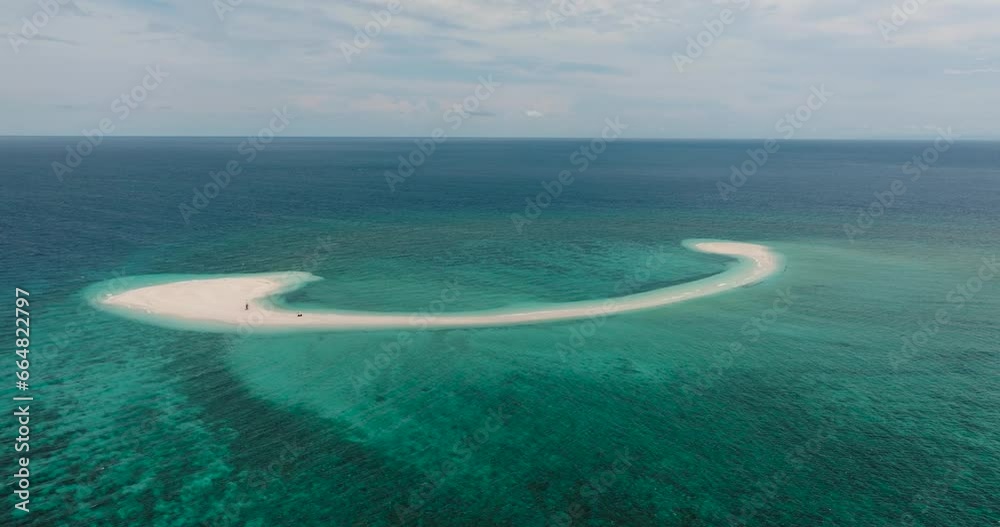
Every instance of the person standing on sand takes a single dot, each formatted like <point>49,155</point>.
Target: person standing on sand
<point>246,307</point>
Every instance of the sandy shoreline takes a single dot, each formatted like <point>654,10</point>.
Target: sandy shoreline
<point>218,304</point>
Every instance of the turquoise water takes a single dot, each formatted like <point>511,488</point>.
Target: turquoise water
<point>269,311</point>
<point>793,402</point>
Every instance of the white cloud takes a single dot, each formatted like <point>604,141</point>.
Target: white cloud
<point>609,57</point>
<point>972,71</point>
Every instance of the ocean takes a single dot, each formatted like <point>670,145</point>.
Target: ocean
<point>859,386</point>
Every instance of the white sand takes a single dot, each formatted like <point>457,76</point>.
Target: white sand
<point>217,304</point>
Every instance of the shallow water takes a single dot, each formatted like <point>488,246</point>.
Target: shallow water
<point>211,302</point>
<point>721,408</point>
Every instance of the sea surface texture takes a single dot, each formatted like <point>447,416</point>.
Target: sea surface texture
<point>858,386</point>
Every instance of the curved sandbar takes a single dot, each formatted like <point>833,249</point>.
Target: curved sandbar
<point>217,304</point>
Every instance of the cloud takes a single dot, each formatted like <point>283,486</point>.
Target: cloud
<point>971,71</point>
<point>382,103</point>
<point>600,59</point>
<point>43,38</point>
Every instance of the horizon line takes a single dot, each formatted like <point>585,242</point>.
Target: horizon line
<point>522,138</point>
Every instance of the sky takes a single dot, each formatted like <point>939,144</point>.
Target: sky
<point>503,68</point>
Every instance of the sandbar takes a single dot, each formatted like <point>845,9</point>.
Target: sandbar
<point>219,304</point>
